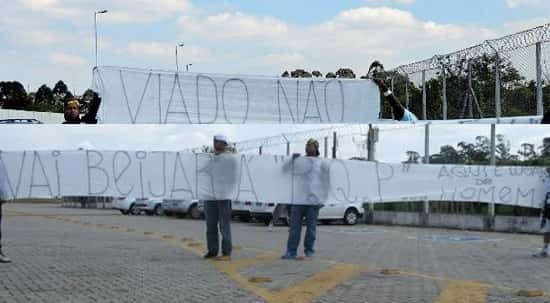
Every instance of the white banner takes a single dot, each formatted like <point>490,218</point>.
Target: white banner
<point>160,97</point>
<point>305,180</point>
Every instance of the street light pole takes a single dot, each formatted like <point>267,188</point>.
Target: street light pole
<point>95,31</point>
<point>177,64</point>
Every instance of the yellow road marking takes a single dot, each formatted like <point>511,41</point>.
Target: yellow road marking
<point>318,284</point>
<point>463,292</point>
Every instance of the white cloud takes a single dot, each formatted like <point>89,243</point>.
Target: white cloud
<point>231,26</point>
<point>284,60</point>
<point>66,59</point>
<point>526,3</point>
<point>389,2</point>
<point>165,51</point>
<point>352,38</point>
<point>120,11</point>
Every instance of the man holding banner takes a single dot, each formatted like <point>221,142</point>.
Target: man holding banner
<point>3,258</point>
<point>310,190</point>
<point>400,113</point>
<point>218,212</point>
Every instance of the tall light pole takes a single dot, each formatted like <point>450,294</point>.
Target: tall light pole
<point>95,30</point>
<point>177,64</point>
<point>187,66</point>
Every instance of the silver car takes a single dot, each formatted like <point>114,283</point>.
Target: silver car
<point>181,207</point>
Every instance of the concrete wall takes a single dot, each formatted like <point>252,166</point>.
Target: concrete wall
<point>517,224</point>
<point>470,222</point>
<point>48,118</point>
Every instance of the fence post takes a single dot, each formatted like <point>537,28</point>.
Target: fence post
<point>334,145</point>
<point>407,91</point>
<point>372,137</point>
<point>424,217</point>
<point>498,108</point>
<point>371,143</point>
<point>489,222</point>
<point>470,96</point>
<point>444,97</point>
<point>540,106</point>
<point>326,147</point>
<point>288,148</point>
<point>424,113</point>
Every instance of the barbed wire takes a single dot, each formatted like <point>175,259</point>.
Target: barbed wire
<point>507,43</point>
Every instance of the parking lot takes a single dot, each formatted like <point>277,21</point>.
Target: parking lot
<point>85,255</point>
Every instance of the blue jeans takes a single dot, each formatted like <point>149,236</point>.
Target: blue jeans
<point>297,214</point>
<point>218,213</point>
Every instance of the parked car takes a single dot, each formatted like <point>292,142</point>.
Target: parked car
<point>149,206</point>
<point>20,121</point>
<point>181,207</point>
<point>239,209</point>
<point>350,213</point>
<point>263,212</point>
<point>124,204</point>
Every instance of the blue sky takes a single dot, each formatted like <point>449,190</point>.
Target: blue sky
<point>42,41</point>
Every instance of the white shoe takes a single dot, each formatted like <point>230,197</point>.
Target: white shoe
<point>4,259</point>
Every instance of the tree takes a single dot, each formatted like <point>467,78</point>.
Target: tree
<point>286,74</point>
<point>330,75</point>
<point>447,154</point>
<point>527,152</point>
<point>345,73</point>
<point>300,73</point>
<point>545,148</point>
<point>60,90</point>
<point>86,100</point>
<point>14,96</point>
<point>503,149</point>
<point>43,99</point>
<point>413,157</point>
<point>316,73</point>
<point>475,153</point>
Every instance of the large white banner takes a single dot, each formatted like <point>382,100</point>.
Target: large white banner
<point>160,97</point>
<point>278,179</point>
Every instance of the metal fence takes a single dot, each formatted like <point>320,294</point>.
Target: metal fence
<point>508,76</point>
<point>421,144</point>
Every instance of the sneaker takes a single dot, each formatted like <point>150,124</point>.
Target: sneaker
<point>310,255</point>
<point>288,257</point>
<point>223,258</point>
<point>210,256</point>
<point>4,259</point>
<point>541,254</point>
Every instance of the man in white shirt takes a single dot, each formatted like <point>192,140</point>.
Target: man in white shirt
<point>310,190</point>
<point>3,194</point>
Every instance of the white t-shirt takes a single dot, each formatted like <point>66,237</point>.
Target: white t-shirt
<point>310,181</point>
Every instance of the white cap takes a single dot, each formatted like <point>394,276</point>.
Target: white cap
<point>221,138</point>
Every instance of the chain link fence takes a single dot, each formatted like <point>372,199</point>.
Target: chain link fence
<point>505,77</point>
<point>482,144</point>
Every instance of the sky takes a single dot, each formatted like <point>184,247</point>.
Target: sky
<point>394,141</point>
<point>43,41</point>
